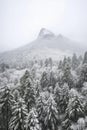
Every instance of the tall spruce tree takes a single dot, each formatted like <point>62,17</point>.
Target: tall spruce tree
<point>52,79</point>
<point>24,82</point>
<point>64,98</point>
<point>29,96</point>
<point>83,76</point>
<point>67,76</point>
<point>44,80</point>
<point>19,115</point>
<point>6,102</point>
<point>57,94</point>
<point>51,120</point>
<point>75,62</point>
<point>40,105</point>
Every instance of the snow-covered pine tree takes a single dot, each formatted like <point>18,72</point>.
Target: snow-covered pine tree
<point>24,77</point>
<point>44,80</point>
<point>67,76</point>
<point>40,105</point>
<point>37,88</point>
<point>74,111</point>
<point>64,98</point>
<point>52,79</point>
<point>25,80</point>
<point>19,115</point>
<point>75,62</point>
<point>61,95</point>
<point>6,102</point>
<point>51,119</point>
<point>57,94</point>
<point>83,76</point>
<point>29,96</point>
<point>64,62</point>
<point>83,72</point>
<point>32,122</point>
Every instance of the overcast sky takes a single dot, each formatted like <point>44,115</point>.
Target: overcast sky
<point>21,20</point>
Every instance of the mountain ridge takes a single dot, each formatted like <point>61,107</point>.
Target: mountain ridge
<point>47,44</point>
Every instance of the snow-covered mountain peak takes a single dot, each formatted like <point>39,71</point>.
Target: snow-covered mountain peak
<point>45,33</point>
<point>46,45</point>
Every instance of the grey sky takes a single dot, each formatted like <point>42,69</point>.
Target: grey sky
<point>21,20</point>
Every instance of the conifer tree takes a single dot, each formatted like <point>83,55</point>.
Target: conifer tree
<point>37,88</point>
<point>32,122</point>
<point>52,79</point>
<point>74,111</point>
<point>51,120</point>
<point>57,94</point>
<point>6,102</point>
<point>41,103</point>
<point>29,96</point>
<point>44,80</point>
<point>67,76</point>
<point>64,98</point>
<point>83,76</point>
<point>75,62</point>
<point>19,115</point>
<point>64,63</point>
<point>24,82</point>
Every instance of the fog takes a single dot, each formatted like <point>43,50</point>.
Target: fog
<point>21,20</point>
